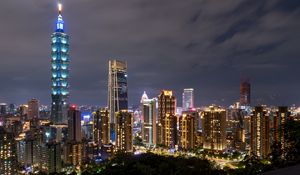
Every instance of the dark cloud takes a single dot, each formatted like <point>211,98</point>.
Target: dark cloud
<point>172,44</point>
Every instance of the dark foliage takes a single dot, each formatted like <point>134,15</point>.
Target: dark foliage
<point>151,164</point>
<point>292,138</point>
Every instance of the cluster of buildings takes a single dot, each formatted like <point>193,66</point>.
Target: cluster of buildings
<point>33,139</point>
<point>240,127</point>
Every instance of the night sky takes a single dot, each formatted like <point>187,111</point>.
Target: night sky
<point>208,45</point>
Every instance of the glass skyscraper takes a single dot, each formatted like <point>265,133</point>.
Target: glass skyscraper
<point>149,120</point>
<point>60,71</point>
<point>117,91</point>
<point>188,99</point>
<point>245,88</point>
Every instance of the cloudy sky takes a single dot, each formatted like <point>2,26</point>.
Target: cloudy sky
<point>208,45</point>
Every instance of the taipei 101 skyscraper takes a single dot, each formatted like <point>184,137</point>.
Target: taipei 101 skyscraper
<point>60,71</point>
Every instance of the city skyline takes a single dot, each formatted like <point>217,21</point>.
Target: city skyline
<point>150,39</point>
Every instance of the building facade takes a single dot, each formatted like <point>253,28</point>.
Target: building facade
<point>281,116</point>
<point>260,132</point>
<point>148,120</point>
<point>166,107</point>
<point>169,130</point>
<point>33,109</point>
<point>3,109</point>
<point>101,134</point>
<point>53,154</point>
<point>187,99</point>
<point>245,93</point>
<point>8,158</point>
<point>74,125</point>
<point>124,128</point>
<point>214,128</point>
<point>236,128</point>
<point>187,131</point>
<point>73,153</point>
<point>60,61</point>
<point>117,91</point>
<point>33,148</point>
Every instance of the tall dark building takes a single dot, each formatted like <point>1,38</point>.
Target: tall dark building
<point>169,126</point>
<point>33,109</point>
<point>60,71</point>
<point>117,91</point>
<point>74,125</point>
<point>12,108</point>
<point>245,88</point>
<point>188,99</point>
<point>33,147</point>
<point>280,118</point>
<point>214,128</point>
<point>124,128</point>
<point>8,158</point>
<point>148,119</point>
<point>188,125</point>
<point>260,132</point>
<point>3,108</point>
<point>166,118</point>
<point>236,128</point>
<point>73,148</point>
<point>73,153</point>
<point>101,127</point>
<point>53,155</point>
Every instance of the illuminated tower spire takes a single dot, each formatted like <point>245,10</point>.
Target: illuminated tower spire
<point>60,71</point>
<point>59,6</point>
<point>60,21</point>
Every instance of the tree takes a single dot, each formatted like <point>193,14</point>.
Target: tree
<point>276,155</point>
<point>251,165</point>
<point>152,164</point>
<point>292,141</point>
<point>138,141</point>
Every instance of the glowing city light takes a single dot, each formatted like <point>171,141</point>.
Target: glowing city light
<point>47,134</point>
<point>60,7</point>
<point>87,117</point>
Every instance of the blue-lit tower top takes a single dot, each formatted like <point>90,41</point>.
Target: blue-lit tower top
<point>60,71</point>
<point>60,21</point>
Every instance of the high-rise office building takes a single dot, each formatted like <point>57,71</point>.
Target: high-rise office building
<point>44,159</point>
<point>60,71</point>
<point>260,132</point>
<point>101,127</point>
<point>23,110</point>
<point>166,111</point>
<point>12,108</point>
<point>33,144</point>
<point>169,129</point>
<point>148,120</point>
<point>124,128</point>
<point>74,125</point>
<point>73,153</point>
<point>236,128</point>
<point>58,133</point>
<point>73,147</point>
<point>281,116</point>
<point>245,92</point>
<point>53,155</point>
<point>8,159</point>
<point>20,147</point>
<point>187,132</point>
<point>33,109</point>
<point>214,128</point>
<point>117,91</point>
<point>188,99</point>
<point>3,108</point>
